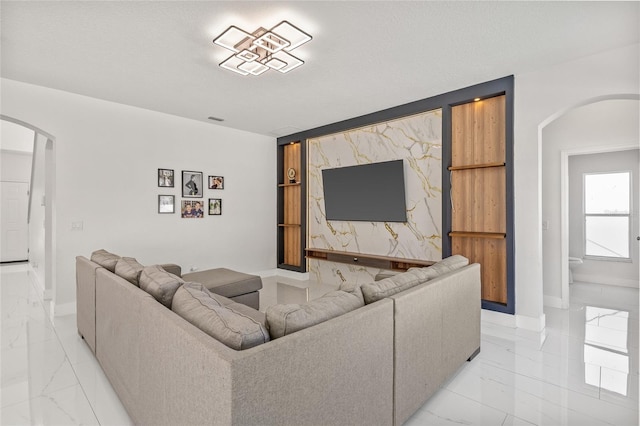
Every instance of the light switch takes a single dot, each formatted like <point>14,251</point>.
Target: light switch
<point>545,225</point>
<point>77,226</point>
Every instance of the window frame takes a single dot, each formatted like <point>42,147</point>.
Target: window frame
<point>628,215</point>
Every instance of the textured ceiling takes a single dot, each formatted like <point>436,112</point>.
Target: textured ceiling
<point>365,55</point>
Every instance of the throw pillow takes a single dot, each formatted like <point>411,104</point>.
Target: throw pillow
<point>105,259</point>
<point>226,321</point>
<point>377,290</point>
<point>160,284</point>
<point>352,288</point>
<point>287,319</point>
<point>129,269</point>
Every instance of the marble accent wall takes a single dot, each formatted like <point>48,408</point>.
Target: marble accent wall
<point>418,141</point>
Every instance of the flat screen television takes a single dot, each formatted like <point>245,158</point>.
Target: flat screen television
<point>368,192</point>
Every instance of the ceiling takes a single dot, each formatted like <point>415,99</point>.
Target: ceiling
<point>365,56</point>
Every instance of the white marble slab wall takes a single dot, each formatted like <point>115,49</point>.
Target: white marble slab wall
<point>418,141</point>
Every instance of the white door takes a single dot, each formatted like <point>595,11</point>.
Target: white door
<point>13,217</point>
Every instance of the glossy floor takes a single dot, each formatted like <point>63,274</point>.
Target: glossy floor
<point>582,371</point>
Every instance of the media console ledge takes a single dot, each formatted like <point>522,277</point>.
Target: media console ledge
<point>370,260</point>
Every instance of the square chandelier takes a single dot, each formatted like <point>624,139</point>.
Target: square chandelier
<point>257,52</point>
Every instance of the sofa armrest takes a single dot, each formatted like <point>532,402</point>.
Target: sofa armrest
<point>86,299</point>
<point>437,328</point>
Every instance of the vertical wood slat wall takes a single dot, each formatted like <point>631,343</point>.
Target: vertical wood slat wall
<point>291,205</point>
<point>478,191</point>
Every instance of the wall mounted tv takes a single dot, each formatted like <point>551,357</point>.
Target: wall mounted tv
<point>368,192</point>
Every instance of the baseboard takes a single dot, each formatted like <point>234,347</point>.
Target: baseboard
<point>606,280</point>
<point>302,276</point>
<point>553,302</point>
<point>64,309</point>
<point>514,321</point>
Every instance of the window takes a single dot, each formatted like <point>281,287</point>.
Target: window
<point>607,214</point>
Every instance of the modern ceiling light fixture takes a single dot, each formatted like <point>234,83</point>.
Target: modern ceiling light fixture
<point>257,52</point>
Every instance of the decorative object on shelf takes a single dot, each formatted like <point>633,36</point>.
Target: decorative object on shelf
<point>291,174</point>
<point>216,182</point>
<point>192,209</point>
<point>215,206</point>
<point>166,204</point>
<point>261,50</point>
<point>191,184</point>
<point>165,178</point>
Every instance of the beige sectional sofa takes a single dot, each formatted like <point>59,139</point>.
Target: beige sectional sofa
<point>333,361</point>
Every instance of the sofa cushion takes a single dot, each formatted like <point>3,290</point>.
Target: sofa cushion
<point>287,319</point>
<point>225,282</point>
<point>353,288</point>
<point>377,290</point>
<point>105,259</point>
<point>129,269</point>
<point>449,264</point>
<point>236,325</point>
<point>160,284</point>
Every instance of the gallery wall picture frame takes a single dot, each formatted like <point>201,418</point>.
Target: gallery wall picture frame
<point>165,178</point>
<point>216,182</point>
<point>166,204</point>
<point>215,206</point>
<point>191,209</point>
<point>191,184</point>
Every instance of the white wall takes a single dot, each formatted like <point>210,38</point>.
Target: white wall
<point>602,271</point>
<point>540,97</point>
<point>106,161</point>
<point>15,166</point>
<point>14,137</point>
<point>601,125</point>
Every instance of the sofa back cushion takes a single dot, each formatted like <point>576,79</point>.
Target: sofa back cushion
<point>105,259</point>
<point>442,267</point>
<point>129,269</point>
<point>377,290</point>
<point>236,325</point>
<point>286,319</point>
<point>160,284</point>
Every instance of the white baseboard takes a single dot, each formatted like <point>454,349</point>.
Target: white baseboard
<point>553,302</point>
<point>606,280</point>
<point>302,276</point>
<point>64,309</point>
<point>514,321</point>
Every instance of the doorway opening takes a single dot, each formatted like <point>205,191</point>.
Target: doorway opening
<point>28,184</point>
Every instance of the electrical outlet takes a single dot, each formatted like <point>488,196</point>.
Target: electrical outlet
<point>193,269</point>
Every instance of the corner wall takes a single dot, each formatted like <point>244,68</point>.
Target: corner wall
<point>107,156</point>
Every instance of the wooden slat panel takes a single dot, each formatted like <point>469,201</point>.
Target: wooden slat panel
<point>292,206</point>
<point>478,132</point>
<point>491,254</point>
<point>292,245</point>
<point>479,200</point>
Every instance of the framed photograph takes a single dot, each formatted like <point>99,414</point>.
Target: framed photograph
<point>215,206</point>
<point>165,178</point>
<point>166,204</point>
<point>191,184</point>
<point>216,182</point>
<point>192,209</point>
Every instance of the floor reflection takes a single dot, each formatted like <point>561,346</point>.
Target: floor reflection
<point>606,363</point>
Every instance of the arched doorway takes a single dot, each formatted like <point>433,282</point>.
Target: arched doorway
<point>41,210</point>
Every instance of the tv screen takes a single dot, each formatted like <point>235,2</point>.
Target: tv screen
<point>369,192</point>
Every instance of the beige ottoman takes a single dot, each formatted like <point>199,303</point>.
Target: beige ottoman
<point>237,286</point>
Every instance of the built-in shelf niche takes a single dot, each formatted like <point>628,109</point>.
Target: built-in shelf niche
<point>290,211</point>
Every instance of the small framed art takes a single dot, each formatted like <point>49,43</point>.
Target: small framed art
<point>165,178</point>
<point>166,204</point>
<point>192,209</point>
<point>215,206</point>
<point>216,182</point>
<point>191,184</point>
